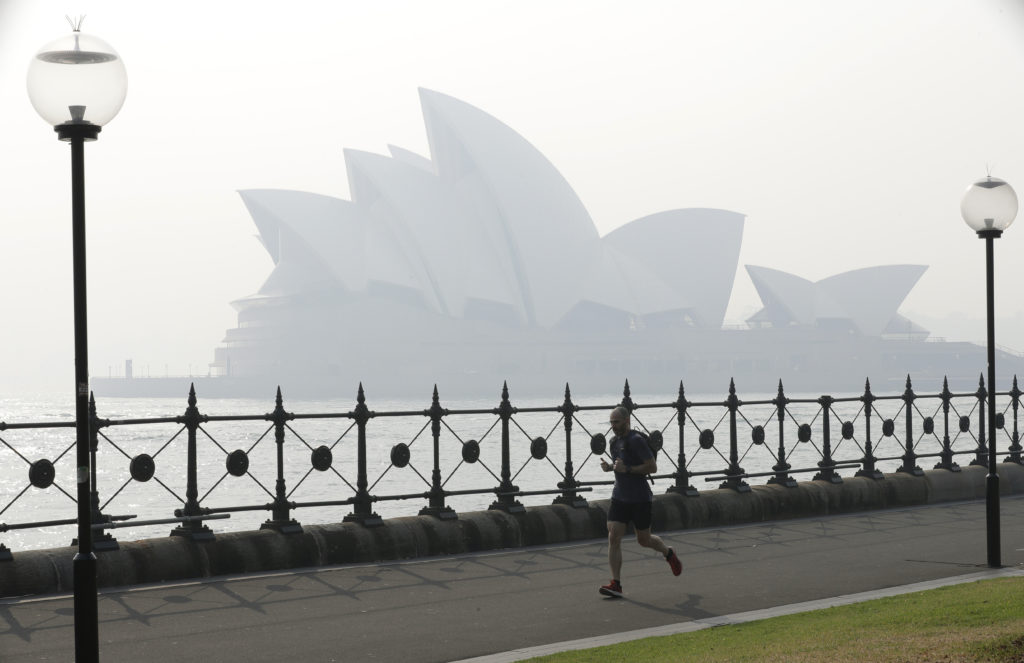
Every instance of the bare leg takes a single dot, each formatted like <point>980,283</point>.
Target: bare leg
<point>648,540</point>
<point>615,533</point>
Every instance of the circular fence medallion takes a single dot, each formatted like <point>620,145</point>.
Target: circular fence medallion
<point>888,428</point>
<point>707,438</point>
<point>847,430</point>
<point>237,463</point>
<point>471,451</point>
<point>928,425</point>
<point>1000,420</point>
<point>321,458</point>
<point>539,448</point>
<point>965,424</point>
<point>757,434</point>
<point>598,444</point>
<point>142,468</point>
<point>400,454</point>
<point>804,433</point>
<point>655,440</point>
<point>41,473</point>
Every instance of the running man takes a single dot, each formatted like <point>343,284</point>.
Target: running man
<point>632,461</point>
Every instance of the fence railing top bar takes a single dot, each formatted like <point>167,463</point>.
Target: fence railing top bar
<point>592,408</point>
<point>640,406</point>
<point>893,397</point>
<point>402,413</point>
<point>489,410</point>
<point>236,417</point>
<point>757,402</point>
<point>965,394</point>
<point>324,415</point>
<point>521,410</point>
<point>802,400</point>
<point>176,419</point>
<point>847,399</point>
<point>134,422</point>
<point>721,403</point>
<point>49,424</point>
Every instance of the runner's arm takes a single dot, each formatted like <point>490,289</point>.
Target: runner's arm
<point>649,466</point>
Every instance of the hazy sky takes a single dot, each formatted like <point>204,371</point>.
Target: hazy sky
<point>845,132</point>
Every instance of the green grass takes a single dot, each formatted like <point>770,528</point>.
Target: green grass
<point>978,622</point>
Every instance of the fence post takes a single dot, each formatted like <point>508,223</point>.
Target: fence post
<point>506,500</point>
<point>735,472</point>
<point>627,400</point>
<point>362,513</point>
<point>981,453</point>
<point>909,465</point>
<point>281,520</point>
<point>781,467</point>
<point>101,541</point>
<point>946,457</point>
<point>682,484</point>
<point>828,472</point>
<point>1015,447</point>
<point>868,468</point>
<point>437,507</point>
<point>569,484</point>
<point>5,552</point>
<point>193,529</point>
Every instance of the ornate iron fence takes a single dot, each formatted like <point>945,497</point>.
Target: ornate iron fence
<point>483,453</point>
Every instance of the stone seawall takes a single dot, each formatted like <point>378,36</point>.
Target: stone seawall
<point>49,571</point>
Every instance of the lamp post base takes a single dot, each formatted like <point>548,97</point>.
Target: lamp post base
<point>992,520</point>
<point>87,637</point>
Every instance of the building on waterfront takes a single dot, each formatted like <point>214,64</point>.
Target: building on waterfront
<point>479,264</point>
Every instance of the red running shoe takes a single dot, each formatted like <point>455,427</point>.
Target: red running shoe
<point>673,561</point>
<point>613,589</point>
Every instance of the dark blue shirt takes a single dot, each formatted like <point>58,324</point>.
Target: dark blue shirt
<point>633,451</point>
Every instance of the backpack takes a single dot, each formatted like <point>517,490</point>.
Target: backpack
<point>654,442</point>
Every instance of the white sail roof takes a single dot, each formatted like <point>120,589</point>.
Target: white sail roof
<point>694,252</point>
<point>328,229</point>
<point>867,298</point>
<point>521,197</point>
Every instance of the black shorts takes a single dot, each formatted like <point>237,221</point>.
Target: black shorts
<point>638,513</point>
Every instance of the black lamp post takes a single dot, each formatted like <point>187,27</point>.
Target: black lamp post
<point>989,207</point>
<point>77,84</point>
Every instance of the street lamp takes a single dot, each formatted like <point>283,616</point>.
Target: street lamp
<point>989,207</point>
<point>77,84</point>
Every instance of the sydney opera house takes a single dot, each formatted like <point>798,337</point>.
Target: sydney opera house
<point>479,264</point>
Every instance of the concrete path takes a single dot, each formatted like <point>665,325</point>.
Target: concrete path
<point>503,606</point>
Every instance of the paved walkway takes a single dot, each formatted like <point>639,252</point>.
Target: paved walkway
<point>504,606</point>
